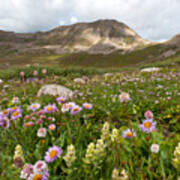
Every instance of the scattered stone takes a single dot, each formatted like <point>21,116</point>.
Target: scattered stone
<point>108,75</point>
<point>151,69</point>
<point>1,81</point>
<point>82,80</point>
<point>55,90</point>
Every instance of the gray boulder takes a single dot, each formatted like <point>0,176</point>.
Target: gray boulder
<point>55,90</point>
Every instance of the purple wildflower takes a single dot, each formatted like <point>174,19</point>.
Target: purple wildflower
<point>129,133</point>
<point>87,105</point>
<point>50,108</point>
<point>16,114</point>
<point>76,109</point>
<point>34,106</point>
<point>53,153</point>
<point>148,125</point>
<point>61,100</point>
<point>5,112</point>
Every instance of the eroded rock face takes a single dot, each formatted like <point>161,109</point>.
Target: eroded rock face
<point>55,90</point>
<point>169,53</point>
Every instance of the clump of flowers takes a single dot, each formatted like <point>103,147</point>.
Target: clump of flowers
<point>37,172</point>
<point>114,135</point>
<point>100,148</point>
<point>117,175</point>
<point>18,156</point>
<point>89,153</point>
<point>70,157</point>
<point>95,153</point>
<point>105,132</point>
<point>53,153</point>
<point>176,160</point>
<point>129,133</point>
<point>124,97</point>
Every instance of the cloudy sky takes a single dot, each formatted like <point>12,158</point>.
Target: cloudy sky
<point>153,19</point>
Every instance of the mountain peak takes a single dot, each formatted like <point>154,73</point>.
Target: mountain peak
<point>101,36</point>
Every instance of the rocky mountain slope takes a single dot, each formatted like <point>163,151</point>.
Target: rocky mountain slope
<point>102,36</point>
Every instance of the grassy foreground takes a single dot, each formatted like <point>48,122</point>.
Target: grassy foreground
<point>115,136</point>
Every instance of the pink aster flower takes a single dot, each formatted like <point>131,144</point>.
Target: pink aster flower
<point>53,153</point>
<point>22,74</point>
<point>148,126</point>
<point>129,133</point>
<point>154,148</point>
<point>39,121</point>
<point>76,109</point>
<point>148,114</point>
<point>35,73</point>
<point>124,97</point>
<point>44,71</point>
<point>29,124</point>
<point>50,108</point>
<point>15,100</point>
<point>64,108</point>
<point>40,166</point>
<point>41,132</point>
<point>50,118</point>
<point>27,171</point>
<point>61,100</point>
<point>52,127</point>
<point>34,106</point>
<point>4,122</point>
<point>42,116</point>
<point>87,105</point>
<point>41,112</point>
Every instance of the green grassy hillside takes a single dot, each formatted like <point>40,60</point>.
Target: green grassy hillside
<point>152,54</point>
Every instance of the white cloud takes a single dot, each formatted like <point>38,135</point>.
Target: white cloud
<point>152,19</point>
<point>73,20</point>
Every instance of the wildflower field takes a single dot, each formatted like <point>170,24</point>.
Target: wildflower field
<point>118,125</point>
